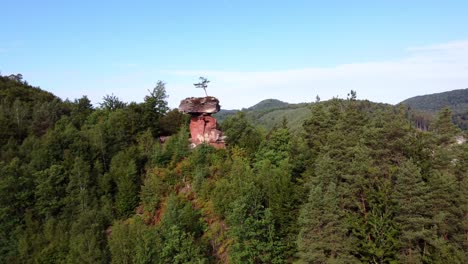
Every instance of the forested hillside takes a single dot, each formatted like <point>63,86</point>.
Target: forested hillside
<point>84,184</point>
<point>271,113</point>
<point>426,107</point>
<point>423,110</point>
<point>457,100</point>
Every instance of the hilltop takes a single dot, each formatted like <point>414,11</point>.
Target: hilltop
<point>457,100</point>
<point>270,113</point>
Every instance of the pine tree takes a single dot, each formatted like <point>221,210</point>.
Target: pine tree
<point>444,127</point>
<point>413,218</point>
<point>324,235</point>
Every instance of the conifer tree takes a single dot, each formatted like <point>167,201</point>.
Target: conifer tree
<point>323,237</point>
<point>413,218</point>
<point>444,127</point>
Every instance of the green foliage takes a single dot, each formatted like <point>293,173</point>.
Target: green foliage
<point>112,103</point>
<point>88,243</point>
<point>173,121</point>
<point>50,192</point>
<point>80,111</point>
<point>154,108</point>
<point>79,185</point>
<point>276,148</point>
<point>153,190</point>
<point>444,127</point>
<point>173,242</point>
<point>175,149</point>
<point>124,239</point>
<point>123,172</point>
<point>269,114</point>
<point>180,213</point>
<point>180,247</point>
<point>455,99</point>
<point>357,183</point>
<point>429,105</point>
<point>323,236</point>
<point>367,165</point>
<point>242,133</point>
<point>26,110</point>
<point>268,104</point>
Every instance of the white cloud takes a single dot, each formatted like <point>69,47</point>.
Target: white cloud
<point>427,69</point>
<point>454,45</point>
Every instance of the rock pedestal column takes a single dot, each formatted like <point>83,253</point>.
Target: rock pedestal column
<point>203,127</point>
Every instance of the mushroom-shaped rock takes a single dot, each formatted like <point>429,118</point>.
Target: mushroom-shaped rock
<point>203,127</point>
<point>199,105</point>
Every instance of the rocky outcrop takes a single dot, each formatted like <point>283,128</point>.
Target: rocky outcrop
<point>203,127</point>
<point>200,105</point>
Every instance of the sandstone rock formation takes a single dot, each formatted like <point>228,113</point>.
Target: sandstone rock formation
<point>203,127</point>
<point>199,105</point>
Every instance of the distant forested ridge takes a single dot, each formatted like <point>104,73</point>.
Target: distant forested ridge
<point>426,106</point>
<point>357,183</point>
<point>271,113</point>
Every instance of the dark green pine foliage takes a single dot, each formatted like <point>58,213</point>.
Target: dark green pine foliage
<point>181,229</point>
<point>444,128</point>
<point>355,157</point>
<point>461,173</point>
<point>274,169</point>
<point>323,237</point>
<point>413,218</point>
<point>252,223</point>
<point>431,104</point>
<point>462,237</point>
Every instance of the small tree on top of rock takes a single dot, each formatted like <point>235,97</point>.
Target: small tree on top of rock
<point>202,84</point>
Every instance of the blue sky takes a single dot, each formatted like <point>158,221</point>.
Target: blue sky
<point>250,50</point>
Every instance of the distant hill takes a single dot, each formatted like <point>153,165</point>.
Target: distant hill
<point>13,88</point>
<point>429,105</point>
<point>295,115</point>
<point>270,113</point>
<point>25,109</point>
<point>457,100</point>
<point>268,104</point>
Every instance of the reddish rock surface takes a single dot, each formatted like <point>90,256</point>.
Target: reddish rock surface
<point>203,127</point>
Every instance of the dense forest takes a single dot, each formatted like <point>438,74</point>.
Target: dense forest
<point>358,183</point>
<point>270,113</point>
<point>423,109</point>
